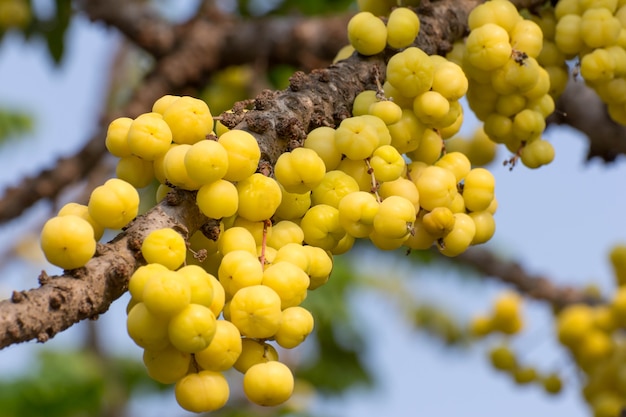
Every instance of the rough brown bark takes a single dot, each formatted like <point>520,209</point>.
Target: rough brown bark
<point>279,120</point>
<point>86,292</point>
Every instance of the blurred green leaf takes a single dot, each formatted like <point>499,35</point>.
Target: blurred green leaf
<point>314,7</point>
<point>279,76</point>
<point>339,364</point>
<point>55,31</point>
<point>14,123</point>
<point>71,384</point>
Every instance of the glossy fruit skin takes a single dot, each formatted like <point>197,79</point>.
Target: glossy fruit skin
<point>82,211</point>
<point>461,236</point>
<point>206,161</point>
<point>218,199</point>
<point>367,33</point>
<point>268,384</point>
<point>436,187</point>
<point>256,311</point>
<point>114,204</point>
<point>252,352</point>
<point>134,170</point>
<point>166,366</point>
<point>488,47</point>
<point>300,170</point>
<point>146,329</point>
<point>403,25</point>
<point>202,392</point>
<point>478,189</point>
<point>321,226</point>
<point>357,137</point>
<point>259,197</point>
<point>394,218</point>
<point>239,269</point>
<point>297,323</point>
<point>289,281</point>
<point>166,293</point>
<point>175,169</point>
<point>149,136</point>
<point>322,141</point>
<point>243,154</point>
<point>192,329</point>
<point>189,119</point>
<point>410,72</point>
<point>224,349</point>
<point>356,213</point>
<point>68,241</point>
<point>164,246</point>
<point>116,140</point>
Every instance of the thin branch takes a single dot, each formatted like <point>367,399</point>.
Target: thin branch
<point>138,21</point>
<point>184,68</point>
<point>535,286</point>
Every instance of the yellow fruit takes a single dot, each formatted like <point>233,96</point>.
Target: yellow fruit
<point>224,349</point>
<point>367,33</point>
<point>116,140</point>
<point>68,241</point>
<point>166,366</point>
<point>82,211</point>
<point>163,103</point>
<point>166,293</point>
<point>206,161</point>
<point>149,136</point>
<point>243,154</point>
<point>189,119</point>
<point>259,197</point>
<point>202,392</point>
<point>192,329</point>
<point>114,204</point>
<point>268,384</point>
<point>403,25</point>
<point>164,246</point>
<point>256,311</point>
<point>252,352</point>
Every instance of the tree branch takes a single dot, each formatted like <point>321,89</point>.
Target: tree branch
<point>184,68</point>
<point>137,21</point>
<point>86,292</point>
<point>535,286</point>
<point>580,107</point>
<point>279,121</point>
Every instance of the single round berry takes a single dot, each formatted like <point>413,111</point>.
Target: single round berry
<point>268,384</point>
<point>68,241</point>
<point>164,246</point>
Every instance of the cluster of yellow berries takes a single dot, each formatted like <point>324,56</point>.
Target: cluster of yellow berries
<point>506,318</point>
<point>595,33</point>
<point>221,309</point>
<point>194,326</point>
<point>392,147</point>
<point>508,89</point>
<point>69,239</point>
<point>504,359</point>
<point>593,335</point>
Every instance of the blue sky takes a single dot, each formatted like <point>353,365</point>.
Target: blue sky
<point>559,220</point>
